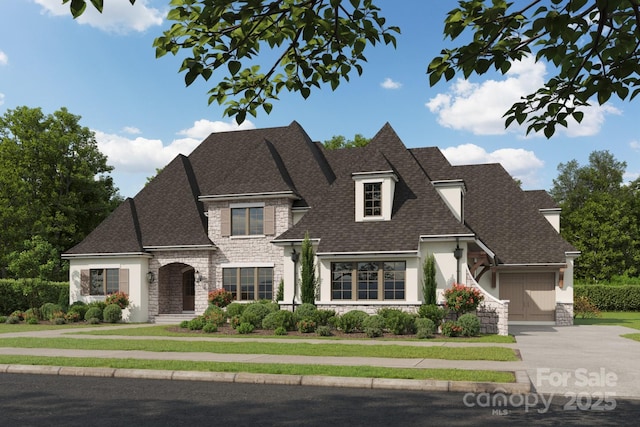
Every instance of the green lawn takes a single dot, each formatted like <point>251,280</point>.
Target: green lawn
<point>7,328</point>
<point>258,347</point>
<point>267,368</point>
<point>630,319</point>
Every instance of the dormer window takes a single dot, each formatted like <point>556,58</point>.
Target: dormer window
<point>374,195</point>
<point>373,199</point>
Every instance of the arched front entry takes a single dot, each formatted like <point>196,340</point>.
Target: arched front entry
<point>176,286</point>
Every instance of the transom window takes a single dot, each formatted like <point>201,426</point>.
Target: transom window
<point>247,221</point>
<point>374,280</point>
<point>104,281</point>
<point>373,199</point>
<point>249,283</point>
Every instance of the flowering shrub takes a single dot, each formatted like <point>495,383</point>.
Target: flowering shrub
<point>119,298</point>
<point>220,298</point>
<point>451,329</point>
<point>462,299</point>
<point>306,326</point>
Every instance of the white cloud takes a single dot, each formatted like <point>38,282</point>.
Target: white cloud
<point>479,107</point>
<point>131,130</point>
<point>520,163</point>
<point>1,98</point>
<point>117,16</point>
<point>390,84</point>
<point>4,59</point>
<point>202,128</point>
<point>635,145</point>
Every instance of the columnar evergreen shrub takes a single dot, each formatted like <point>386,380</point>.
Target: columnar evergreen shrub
<point>429,284</point>
<point>308,282</point>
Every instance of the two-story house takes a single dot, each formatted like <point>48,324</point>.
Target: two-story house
<point>232,213</point>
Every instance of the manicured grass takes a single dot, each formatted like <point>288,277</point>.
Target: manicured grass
<point>635,337</point>
<point>630,319</point>
<point>7,328</point>
<point>253,347</point>
<point>288,369</point>
<point>163,331</point>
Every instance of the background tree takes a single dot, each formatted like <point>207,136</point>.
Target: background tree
<point>308,281</point>
<point>54,188</point>
<point>339,141</point>
<point>600,216</point>
<point>594,46</point>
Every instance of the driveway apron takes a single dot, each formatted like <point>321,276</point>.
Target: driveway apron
<point>576,360</point>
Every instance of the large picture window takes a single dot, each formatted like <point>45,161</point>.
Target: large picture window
<point>247,221</point>
<point>374,280</point>
<point>104,281</point>
<point>249,283</point>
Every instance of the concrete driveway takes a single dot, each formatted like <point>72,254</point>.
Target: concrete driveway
<point>580,359</point>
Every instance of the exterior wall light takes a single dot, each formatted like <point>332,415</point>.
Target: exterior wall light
<point>151,277</point>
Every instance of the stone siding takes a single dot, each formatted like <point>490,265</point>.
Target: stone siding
<point>564,314</point>
<point>492,312</point>
<point>369,309</point>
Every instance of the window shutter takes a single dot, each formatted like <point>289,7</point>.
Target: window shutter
<point>269,220</point>
<point>123,283</point>
<point>85,282</point>
<point>225,222</point>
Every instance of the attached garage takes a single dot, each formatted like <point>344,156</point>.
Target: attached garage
<point>531,296</point>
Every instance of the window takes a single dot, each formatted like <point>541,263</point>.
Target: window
<point>375,280</point>
<point>247,221</point>
<point>104,281</point>
<point>373,199</point>
<point>248,283</point>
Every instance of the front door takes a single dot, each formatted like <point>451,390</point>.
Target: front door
<point>188,291</point>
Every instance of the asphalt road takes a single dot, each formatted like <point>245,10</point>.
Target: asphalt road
<point>43,400</point>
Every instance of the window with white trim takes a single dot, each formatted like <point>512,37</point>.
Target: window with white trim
<point>372,199</point>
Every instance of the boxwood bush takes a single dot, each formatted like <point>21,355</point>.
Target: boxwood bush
<point>112,313</point>
<point>93,313</point>
<point>279,319</point>
<point>352,321</point>
<point>254,313</point>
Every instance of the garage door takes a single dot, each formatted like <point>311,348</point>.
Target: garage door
<point>532,296</point>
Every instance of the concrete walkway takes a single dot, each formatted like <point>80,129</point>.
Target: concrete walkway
<point>580,359</point>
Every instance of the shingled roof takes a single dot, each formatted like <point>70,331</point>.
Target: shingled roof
<point>168,212</point>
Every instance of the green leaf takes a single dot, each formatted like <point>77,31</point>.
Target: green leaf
<point>234,67</point>
<point>98,4</point>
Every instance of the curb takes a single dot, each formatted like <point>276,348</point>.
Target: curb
<point>521,386</point>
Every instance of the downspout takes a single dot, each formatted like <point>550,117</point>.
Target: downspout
<point>457,253</point>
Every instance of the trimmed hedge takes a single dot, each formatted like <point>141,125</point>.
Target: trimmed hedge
<point>23,294</point>
<point>611,298</point>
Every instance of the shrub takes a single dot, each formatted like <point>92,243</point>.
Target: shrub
<point>112,313</point>
<point>235,309</point>
<point>22,294</point>
<point>12,320</point>
<point>425,328</point>
<point>462,299</point>
<point>184,324</point>
<point>429,284</point>
<point>93,312</point>
<point>610,298</point>
<point>99,304</point>
<point>469,325</point>
<point>18,313</point>
<point>280,293</point>
<point>234,321</point>
<point>119,298</point>
<point>306,326</point>
<point>324,317</point>
<point>280,331</point>
<point>272,306</point>
<point>374,326</point>
<point>433,312</point>
<point>210,328</point>
<point>305,311</point>
<point>72,316</point>
<point>220,298</point>
<point>398,322</point>
<point>216,315</point>
<point>450,329</point>
<point>584,309</point>
<point>78,307</point>
<point>57,315</point>
<point>32,320</point>
<point>93,321</point>
<point>47,309</point>
<point>245,328</point>
<point>352,321</point>
<point>32,313</point>
<point>59,321</point>
<point>324,331</point>
<point>196,324</point>
<point>279,319</point>
<point>3,319</point>
<point>254,314</point>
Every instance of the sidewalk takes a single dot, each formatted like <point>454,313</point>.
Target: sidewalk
<point>522,384</point>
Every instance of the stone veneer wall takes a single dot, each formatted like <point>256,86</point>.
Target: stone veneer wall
<point>369,309</point>
<point>165,293</point>
<point>492,312</point>
<point>564,314</point>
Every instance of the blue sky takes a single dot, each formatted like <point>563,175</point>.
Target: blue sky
<point>103,68</point>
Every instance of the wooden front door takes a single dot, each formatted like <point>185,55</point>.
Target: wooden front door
<point>188,291</point>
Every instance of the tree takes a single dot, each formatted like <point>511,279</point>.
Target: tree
<point>339,141</point>
<point>54,186</point>
<point>308,281</point>
<point>429,284</point>
<point>594,46</point>
<point>601,216</point>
